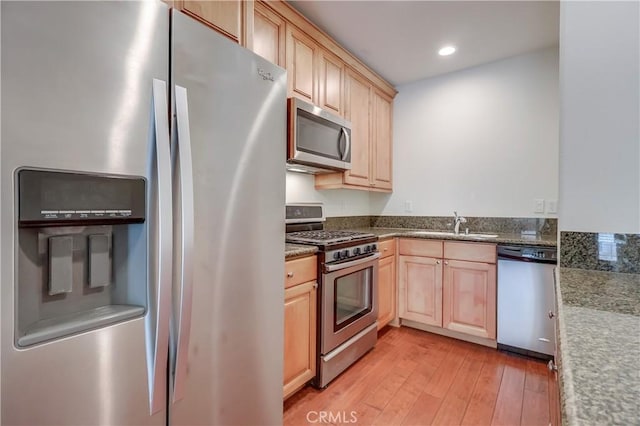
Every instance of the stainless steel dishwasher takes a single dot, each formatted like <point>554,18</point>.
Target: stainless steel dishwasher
<point>526,300</point>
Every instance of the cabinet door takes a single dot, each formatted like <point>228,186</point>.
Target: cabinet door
<point>420,289</point>
<point>469,298</point>
<point>555,415</point>
<point>299,336</point>
<point>381,149</point>
<point>357,110</point>
<point>331,84</point>
<point>225,16</point>
<point>268,34</point>
<point>302,61</point>
<point>386,291</point>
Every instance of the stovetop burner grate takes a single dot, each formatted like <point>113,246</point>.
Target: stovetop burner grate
<point>323,237</point>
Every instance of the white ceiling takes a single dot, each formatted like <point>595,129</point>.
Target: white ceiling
<point>400,39</point>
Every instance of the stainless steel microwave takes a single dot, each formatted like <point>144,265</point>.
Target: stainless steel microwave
<point>319,142</point>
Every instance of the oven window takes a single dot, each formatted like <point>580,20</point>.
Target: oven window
<point>352,297</point>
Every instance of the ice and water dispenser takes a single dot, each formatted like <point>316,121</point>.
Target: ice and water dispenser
<point>82,250</point>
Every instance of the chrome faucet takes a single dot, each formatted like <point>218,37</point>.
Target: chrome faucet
<point>457,220</point>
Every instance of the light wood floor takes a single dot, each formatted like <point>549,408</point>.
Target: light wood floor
<point>417,378</point>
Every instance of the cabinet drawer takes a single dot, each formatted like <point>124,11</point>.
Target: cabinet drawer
<point>425,248</point>
<point>474,252</point>
<point>298,271</point>
<point>387,248</point>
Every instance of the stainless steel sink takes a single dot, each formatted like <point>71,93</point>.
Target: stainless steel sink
<point>480,235</point>
<point>451,234</point>
<point>432,233</point>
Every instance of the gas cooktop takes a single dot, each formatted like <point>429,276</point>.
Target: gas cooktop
<point>323,237</point>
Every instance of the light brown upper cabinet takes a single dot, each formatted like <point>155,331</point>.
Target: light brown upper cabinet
<point>331,84</point>
<point>381,152</point>
<point>233,18</point>
<point>357,111</point>
<point>370,112</point>
<point>302,65</point>
<point>269,34</point>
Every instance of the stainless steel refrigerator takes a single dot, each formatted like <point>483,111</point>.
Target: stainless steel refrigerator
<point>142,219</point>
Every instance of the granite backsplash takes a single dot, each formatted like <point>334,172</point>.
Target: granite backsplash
<point>506,225</point>
<point>600,251</point>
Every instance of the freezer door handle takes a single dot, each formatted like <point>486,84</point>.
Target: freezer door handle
<point>158,327</point>
<point>184,168</point>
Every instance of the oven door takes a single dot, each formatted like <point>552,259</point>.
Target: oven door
<point>349,300</point>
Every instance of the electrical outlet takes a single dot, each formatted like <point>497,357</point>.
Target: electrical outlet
<point>552,206</point>
<point>408,206</point>
<point>538,205</point>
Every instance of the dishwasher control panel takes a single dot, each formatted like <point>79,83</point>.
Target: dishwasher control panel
<point>534,253</point>
<point>542,254</point>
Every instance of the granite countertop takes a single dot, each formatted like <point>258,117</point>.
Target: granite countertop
<point>292,251</point>
<point>598,346</point>
<point>516,239</point>
<point>300,250</point>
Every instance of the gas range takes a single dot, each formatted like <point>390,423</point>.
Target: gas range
<point>347,289</point>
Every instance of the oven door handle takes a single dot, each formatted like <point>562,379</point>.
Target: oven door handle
<point>332,268</point>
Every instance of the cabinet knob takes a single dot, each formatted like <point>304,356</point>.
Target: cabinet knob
<point>315,285</point>
<point>552,366</point>
<point>386,249</point>
<point>551,314</point>
<point>446,263</point>
<point>290,274</point>
<point>437,262</point>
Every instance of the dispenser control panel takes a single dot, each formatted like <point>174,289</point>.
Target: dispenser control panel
<point>48,198</point>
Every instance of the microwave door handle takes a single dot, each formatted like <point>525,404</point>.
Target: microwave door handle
<point>347,139</point>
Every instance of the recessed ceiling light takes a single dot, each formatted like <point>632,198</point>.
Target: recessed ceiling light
<point>446,51</point>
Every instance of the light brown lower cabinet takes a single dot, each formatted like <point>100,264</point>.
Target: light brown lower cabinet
<point>469,298</point>
<point>386,284</point>
<point>455,294</point>
<point>420,289</point>
<point>299,325</point>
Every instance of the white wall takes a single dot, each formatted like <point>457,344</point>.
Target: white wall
<point>337,202</point>
<point>600,116</point>
<point>482,141</point>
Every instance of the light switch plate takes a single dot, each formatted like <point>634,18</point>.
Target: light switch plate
<point>408,206</point>
<point>538,205</point>
<point>552,206</point>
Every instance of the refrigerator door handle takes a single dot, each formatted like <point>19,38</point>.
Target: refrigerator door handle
<point>158,329</point>
<point>183,151</point>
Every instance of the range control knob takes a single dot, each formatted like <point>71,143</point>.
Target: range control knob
<point>367,249</point>
<point>374,247</point>
<point>345,254</point>
<point>336,255</point>
<point>356,251</point>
